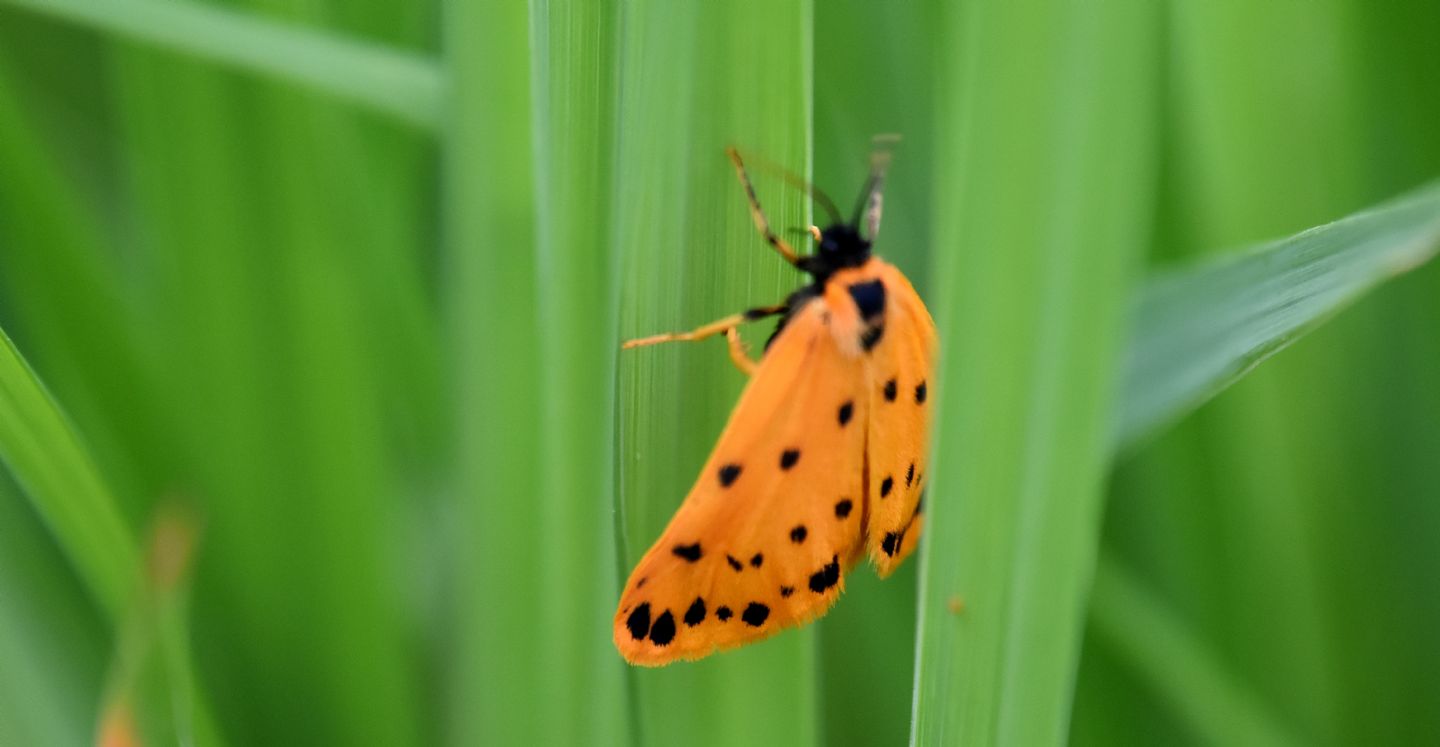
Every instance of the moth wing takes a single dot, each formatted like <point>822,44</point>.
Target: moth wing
<point>899,377</point>
<point>761,542</point>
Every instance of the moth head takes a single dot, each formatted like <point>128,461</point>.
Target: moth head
<point>840,242</point>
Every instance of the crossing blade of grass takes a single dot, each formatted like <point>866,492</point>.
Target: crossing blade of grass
<point>1218,708</point>
<point>50,463</point>
<point>1200,329</point>
<point>1044,150</point>
<point>694,79</point>
<point>399,84</point>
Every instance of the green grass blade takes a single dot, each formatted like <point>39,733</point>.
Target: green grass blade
<point>573,53</point>
<point>490,242</point>
<point>399,84</point>
<point>694,79</point>
<point>48,460</point>
<point>1216,706</point>
<point>1201,329</point>
<point>867,641</point>
<point>534,300</point>
<point>1044,151</point>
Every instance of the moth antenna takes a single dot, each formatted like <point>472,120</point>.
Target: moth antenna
<point>823,200</point>
<point>871,202</point>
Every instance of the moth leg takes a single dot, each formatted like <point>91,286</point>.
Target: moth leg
<point>762,224</point>
<point>719,326</point>
<point>738,354</point>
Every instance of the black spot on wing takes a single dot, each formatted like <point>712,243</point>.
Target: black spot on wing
<point>920,393</point>
<point>735,564</point>
<point>890,391</point>
<point>639,622</point>
<point>688,552</point>
<point>886,485</point>
<point>910,475</point>
<point>728,473</point>
<point>755,614</point>
<point>786,591</point>
<point>891,543</point>
<point>826,577</point>
<point>756,560</point>
<point>788,458</point>
<point>723,613</point>
<point>842,509</point>
<point>846,410</point>
<point>641,583</point>
<point>663,631</point>
<point>797,535</point>
<point>696,614</point>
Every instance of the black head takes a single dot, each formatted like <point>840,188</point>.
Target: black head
<point>840,246</point>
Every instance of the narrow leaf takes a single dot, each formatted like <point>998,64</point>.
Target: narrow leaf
<point>1200,329</point>
<point>51,465</point>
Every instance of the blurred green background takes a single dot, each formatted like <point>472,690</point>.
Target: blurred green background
<point>339,287</point>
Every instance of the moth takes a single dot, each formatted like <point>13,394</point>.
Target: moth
<point>823,459</point>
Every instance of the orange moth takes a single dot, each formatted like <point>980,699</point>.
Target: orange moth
<point>821,463</point>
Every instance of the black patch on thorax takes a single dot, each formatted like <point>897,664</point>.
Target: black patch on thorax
<point>869,298</point>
